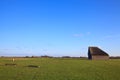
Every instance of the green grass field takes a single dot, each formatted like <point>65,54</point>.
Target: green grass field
<point>59,69</point>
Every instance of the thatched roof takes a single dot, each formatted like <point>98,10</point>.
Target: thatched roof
<point>97,51</point>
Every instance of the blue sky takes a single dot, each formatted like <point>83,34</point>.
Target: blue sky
<point>59,27</point>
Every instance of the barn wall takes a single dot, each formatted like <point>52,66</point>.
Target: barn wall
<point>100,57</point>
<point>89,54</point>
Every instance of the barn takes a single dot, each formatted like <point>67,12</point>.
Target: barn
<point>95,53</point>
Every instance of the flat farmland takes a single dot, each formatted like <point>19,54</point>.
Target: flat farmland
<point>59,69</point>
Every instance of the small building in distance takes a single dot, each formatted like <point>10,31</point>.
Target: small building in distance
<point>95,53</point>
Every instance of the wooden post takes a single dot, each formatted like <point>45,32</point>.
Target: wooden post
<point>13,59</point>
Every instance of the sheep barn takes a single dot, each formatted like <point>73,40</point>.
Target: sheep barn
<point>95,53</point>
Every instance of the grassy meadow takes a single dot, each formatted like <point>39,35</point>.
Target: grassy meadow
<point>59,69</point>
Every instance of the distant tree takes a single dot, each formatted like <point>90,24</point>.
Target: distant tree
<point>26,56</point>
<point>2,56</point>
<point>66,57</point>
<point>46,56</point>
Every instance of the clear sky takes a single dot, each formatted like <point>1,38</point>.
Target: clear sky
<point>59,27</point>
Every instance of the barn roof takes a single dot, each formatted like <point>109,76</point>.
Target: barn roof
<point>97,51</point>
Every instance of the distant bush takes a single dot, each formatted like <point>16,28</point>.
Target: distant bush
<point>27,57</point>
<point>115,57</point>
<point>46,56</point>
<point>66,57</point>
